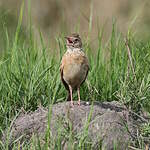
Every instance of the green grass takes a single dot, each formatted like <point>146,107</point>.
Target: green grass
<point>29,76</point>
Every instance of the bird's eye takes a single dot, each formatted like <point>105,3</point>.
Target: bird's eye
<point>76,40</point>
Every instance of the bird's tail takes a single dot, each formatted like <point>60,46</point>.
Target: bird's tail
<point>69,96</point>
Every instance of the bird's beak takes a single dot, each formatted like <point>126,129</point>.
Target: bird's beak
<point>68,39</point>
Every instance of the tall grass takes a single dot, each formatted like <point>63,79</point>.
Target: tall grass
<point>29,75</point>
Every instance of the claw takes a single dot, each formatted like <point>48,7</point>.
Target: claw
<point>79,103</point>
<point>72,105</point>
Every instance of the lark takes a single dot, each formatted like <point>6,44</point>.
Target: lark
<point>74,66</point>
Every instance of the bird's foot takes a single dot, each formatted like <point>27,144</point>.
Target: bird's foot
<point>72,104</point>
<point>79,103</point>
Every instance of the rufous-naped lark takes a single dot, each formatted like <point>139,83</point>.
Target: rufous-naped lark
<point>74,66</point>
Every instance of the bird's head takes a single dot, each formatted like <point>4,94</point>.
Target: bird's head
<point>73,41</point>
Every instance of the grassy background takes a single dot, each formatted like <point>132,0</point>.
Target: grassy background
<point>29,74</point>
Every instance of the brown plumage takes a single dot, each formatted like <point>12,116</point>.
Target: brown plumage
<point>74,66</point>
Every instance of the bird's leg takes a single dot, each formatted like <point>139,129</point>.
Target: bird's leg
<point>78,91</point>
<point>70,89</point>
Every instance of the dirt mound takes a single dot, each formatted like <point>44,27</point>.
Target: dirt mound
<point>108,123</point>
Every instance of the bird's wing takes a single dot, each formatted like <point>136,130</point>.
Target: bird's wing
<point>86,67</point>
<point>61,73</point>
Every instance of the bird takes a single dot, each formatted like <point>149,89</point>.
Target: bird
<point>74,66</point>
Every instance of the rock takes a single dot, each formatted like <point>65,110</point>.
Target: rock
<point>107,124</point>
